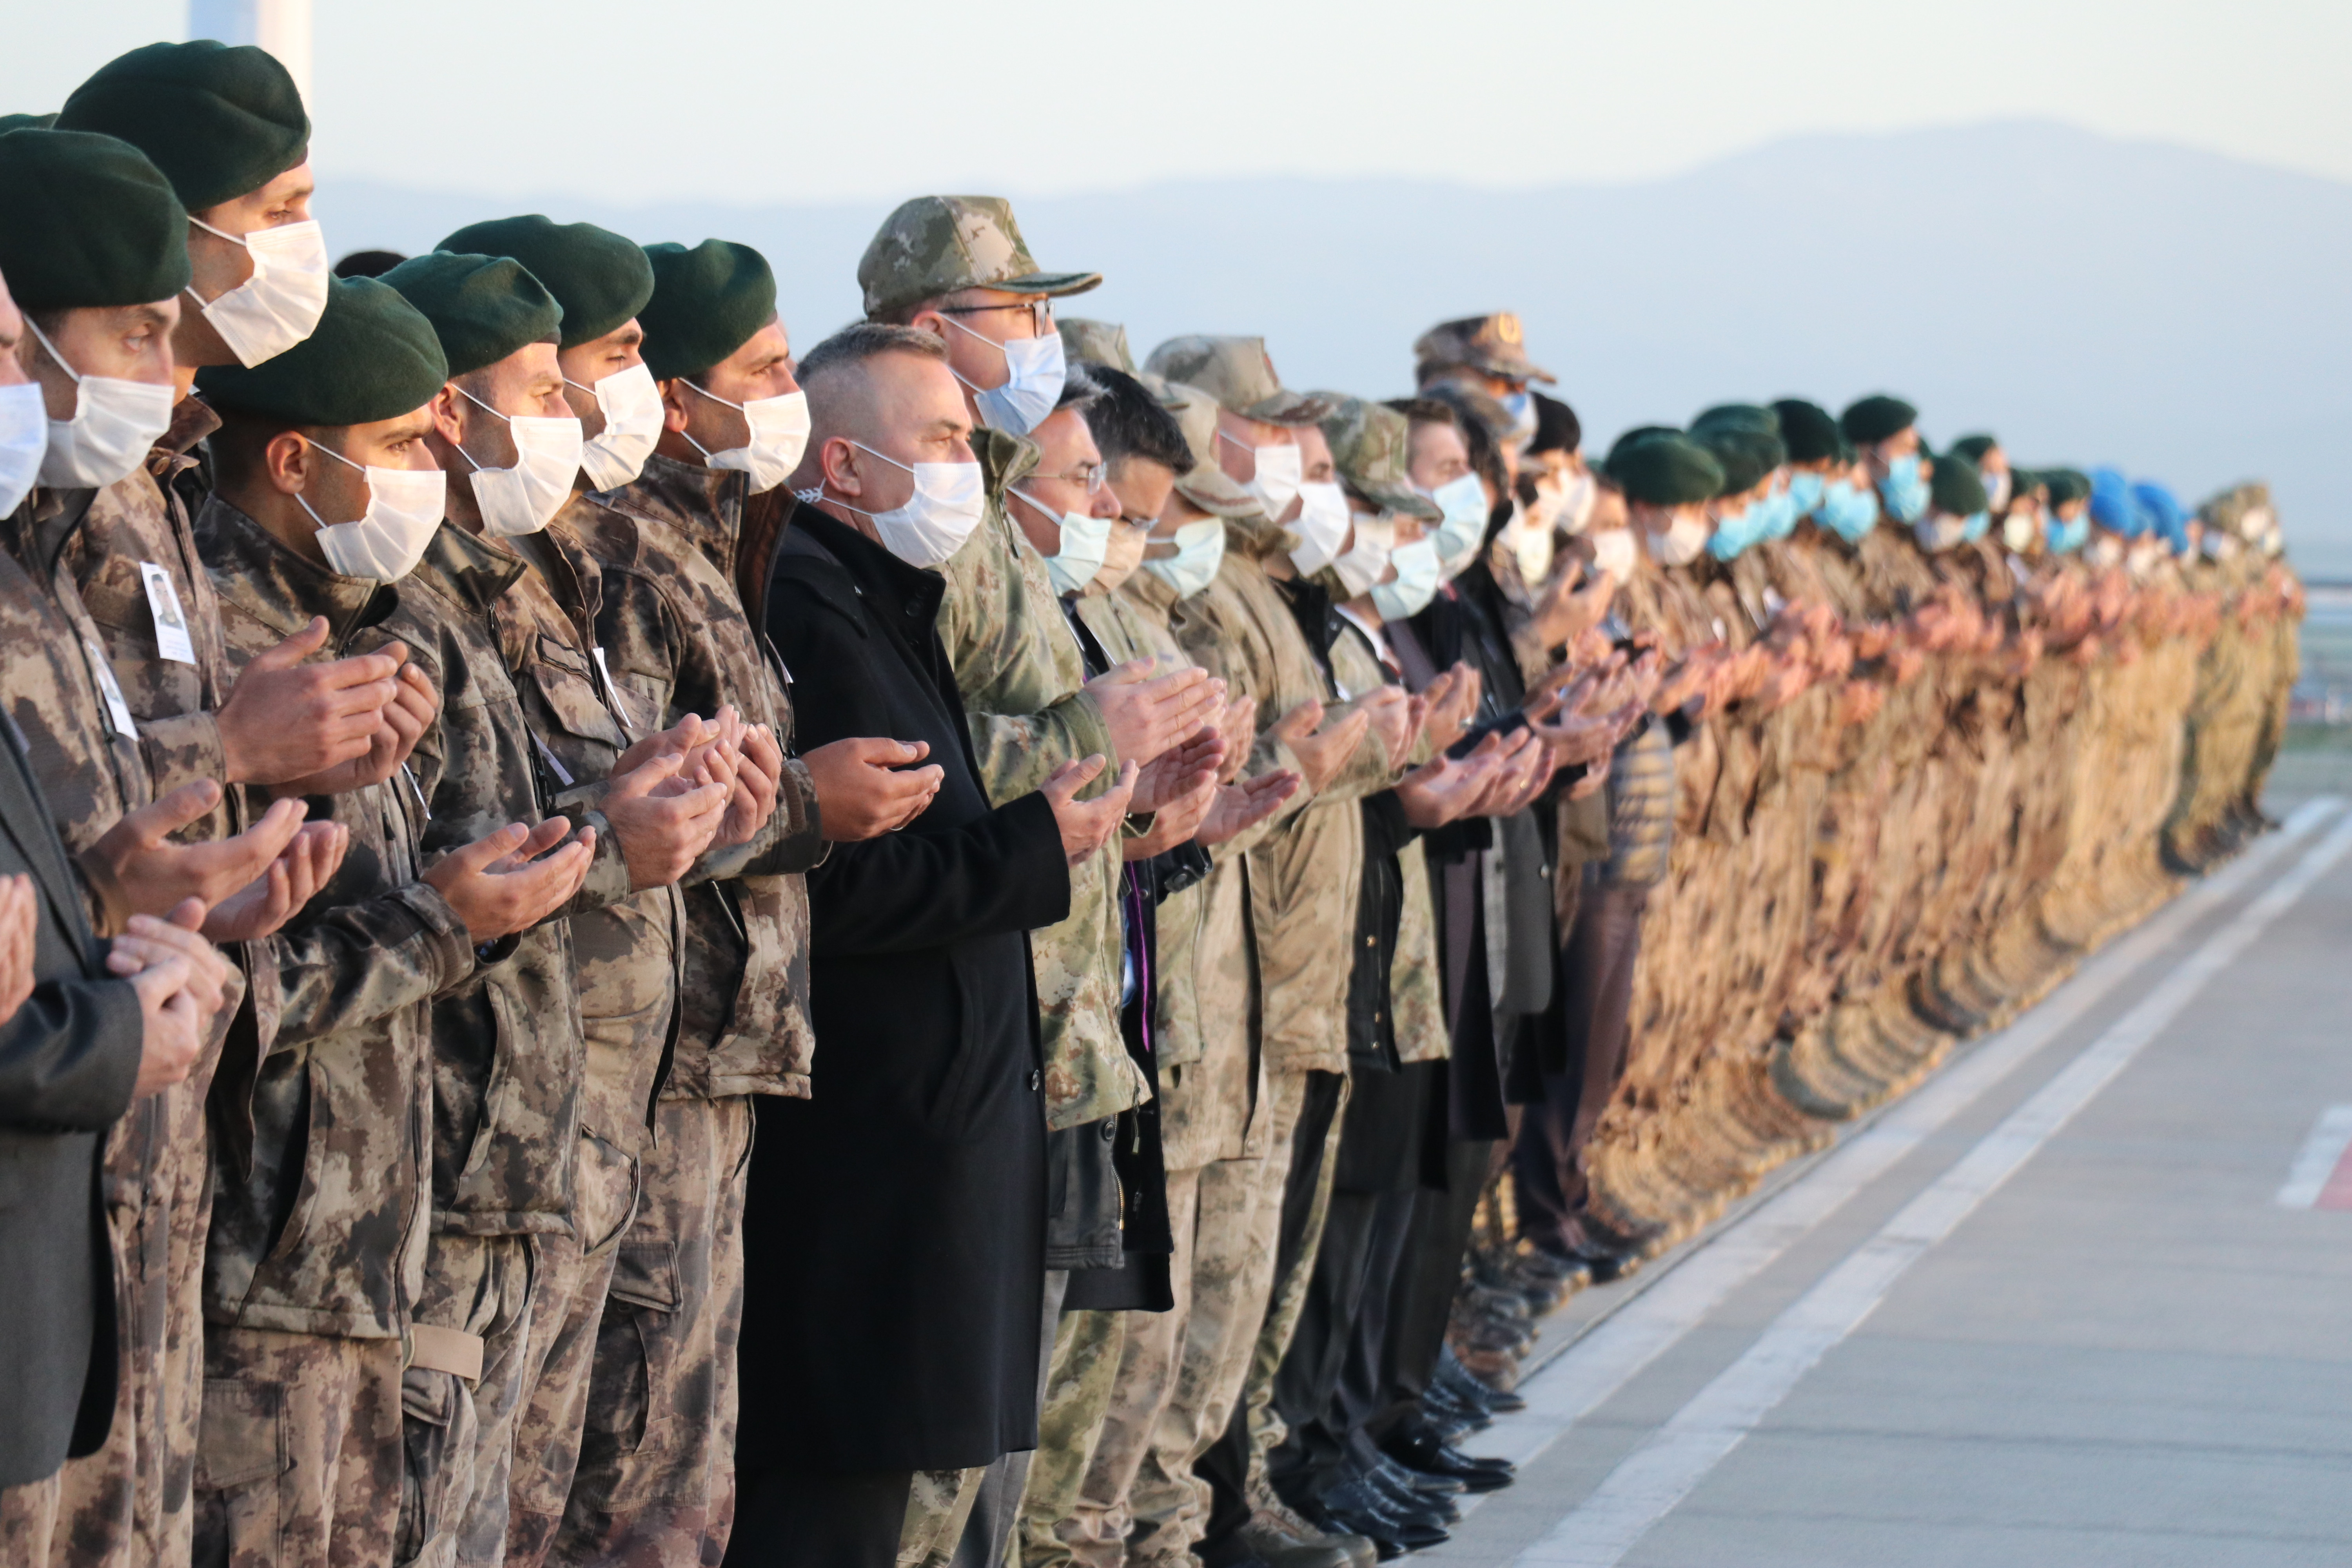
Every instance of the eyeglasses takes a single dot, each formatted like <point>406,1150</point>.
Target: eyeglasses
<point>1088,477</point>
<point>1145,524</point>
<point>1041,311</point>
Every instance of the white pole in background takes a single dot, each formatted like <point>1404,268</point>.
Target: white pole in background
<point>281,27</point>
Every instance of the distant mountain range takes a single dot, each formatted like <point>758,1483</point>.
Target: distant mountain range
<point>2182,314</point>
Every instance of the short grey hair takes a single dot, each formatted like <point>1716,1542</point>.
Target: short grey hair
<point>861,340</point>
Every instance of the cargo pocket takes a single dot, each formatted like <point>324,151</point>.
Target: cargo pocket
<point>438,1441</point>
<point>638,1402</point>
<point>242,1454</point>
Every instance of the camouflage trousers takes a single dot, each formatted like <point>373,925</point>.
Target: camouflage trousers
<point>129,1503</point>
<point>1287,1298</point>
<point>29,1522</point>
<point>965,1517</point>
<point>1080,1380</point>
<point>298,1464</point>
<point>519,1295</point>
<point>655,1481</point>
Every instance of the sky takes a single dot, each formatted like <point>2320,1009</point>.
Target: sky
<point>760,101</point>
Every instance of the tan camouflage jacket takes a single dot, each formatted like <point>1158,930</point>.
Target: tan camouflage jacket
<point>507,1056</point>
<point>1019,668</point>
<point>1306,864</point>
<point>1416,996</point>
<point>320,1227</point>
<point>676,641</point>
<point>1211,1083</point>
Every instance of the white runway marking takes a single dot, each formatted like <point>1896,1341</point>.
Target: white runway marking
<point>2320,1166</point>
<point>1661,1473</point>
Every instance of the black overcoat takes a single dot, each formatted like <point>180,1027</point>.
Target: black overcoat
<point>895,1224</point>
<point>68,1060</point>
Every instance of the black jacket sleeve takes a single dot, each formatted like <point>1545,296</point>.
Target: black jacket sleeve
<point>909,890</point>
<point>69,1056</point>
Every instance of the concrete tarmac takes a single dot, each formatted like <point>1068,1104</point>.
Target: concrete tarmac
<point>2084,1298</point>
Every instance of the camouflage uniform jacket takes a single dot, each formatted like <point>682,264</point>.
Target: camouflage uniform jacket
<point>1212,1082</point>
<point>321,1228</point>
<point>1417,1001</point>
<point>676,641</point>
<point>508,1054</point>
<point>1306,865</point>
<point>1019,669</point>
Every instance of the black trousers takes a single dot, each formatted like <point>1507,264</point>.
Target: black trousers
<point>1225,1466</point>
<point>1597,968</point>
<point>818,1519</point>
<point>1425,1285</point>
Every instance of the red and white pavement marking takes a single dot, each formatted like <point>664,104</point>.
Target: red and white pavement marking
<point>2322,1177</point>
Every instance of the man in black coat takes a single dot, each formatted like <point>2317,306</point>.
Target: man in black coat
<point>895,1224</point>
<point>91,1033</point>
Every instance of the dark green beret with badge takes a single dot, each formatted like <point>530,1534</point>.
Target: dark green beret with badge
<point>90,222</point>
<point>1624,443</point>
<point>1666,468</point>
<point>1875,418</point>
<point>1956,488</point>
<point>483,308</point>
<point>706,303</point>
<point>1809,432</point>
<point>371,356</point>
<point>601,278</point>
<point>220,121</point>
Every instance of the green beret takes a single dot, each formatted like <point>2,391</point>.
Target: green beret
<point>1746,456</point>
<point>1875,418</point>
<point>27,122</point>
<point>1956,488</point>
<point>1666,468</point>
<point>220,121</point>
<point>1638,433</point>
<point>1809,431</point>
<point>2066,485</point>
<point>708,302</point>
<point>601,279</point>
<point>1737,417</point>
<point>371,356</point>
<point>1974,448</point>
<point>90,222</point>
<point>483,308</point>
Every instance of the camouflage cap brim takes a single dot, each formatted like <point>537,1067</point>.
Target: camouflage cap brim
<point>1052,284</point>
<point>1288,407</point>
<point>1206,486</point>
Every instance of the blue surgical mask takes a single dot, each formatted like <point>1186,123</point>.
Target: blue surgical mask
<point>1847,510</point>
<point>1414,586</point>
<point>1521,406</point>
<point>2065,538</point>
<point>1804,494</point>
<point>1035,368</point>
<point>1976,526</point>
<point>1199,551</point>
<point>1905,492</point>
<point>1458,538</point>
<point>1737,533</point>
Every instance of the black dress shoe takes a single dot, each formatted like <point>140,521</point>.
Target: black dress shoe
<point>1355,1507</point>
<point>1397,1473</point>
<point>1428,1454</point>
<point>1394,1485</point>
<point>1465,1384</point>
<point>1441,1416</point>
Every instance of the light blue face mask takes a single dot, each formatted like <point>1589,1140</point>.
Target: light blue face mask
<point>1035,368</point>
<point>2066,538</point>
<point>1780,516</point>
<point>1199,551</point>
<point>1976,527</point>
<point>1847,510</point>
<point>1521,406</point>
<point>1415,583</point>
<point>1905,492</point>
<point>1738,532</point>
<point>1804,494</point>
<point>1458,538</point>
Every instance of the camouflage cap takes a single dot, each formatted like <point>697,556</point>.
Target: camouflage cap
<point>937,244</point>
<point>1494,343</point>
<point>1099,342</point>
<point>1205,483</point>
<point>1369,447</point>
<point>1239,374</point>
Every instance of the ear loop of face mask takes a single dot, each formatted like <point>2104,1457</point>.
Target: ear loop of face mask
<point>1002,406</point>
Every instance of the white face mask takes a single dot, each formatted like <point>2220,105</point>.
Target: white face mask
<point>1367,562</point>
<point>1035,368</point>
<point>2103,551</point>
<point>1322,524</point>
<point>631,406</point>
<point>1530,538</point>
<point>23,437</point>
<point>1938,532</point>
<point>1463,529</point>
<point>1612,551</point>
<point>1086,544</point>
<point>1276,483</point>
<point>280,304</point>
<point>1680,546</point>
<point>936,519</point>
<point>1415,583</point>
<point>114,424</point>
<point>1199,551</point>
<point>404,506</point>
<point>2017,531</point>
<point>1580,496</point>
<point>779,432</point>
<point>525,498</point>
